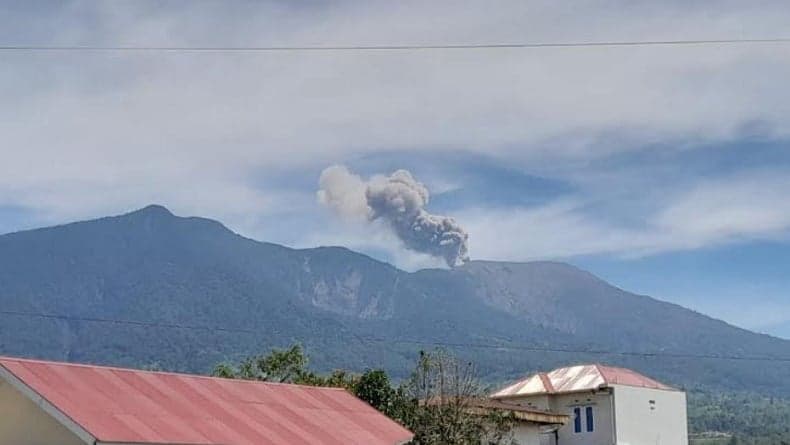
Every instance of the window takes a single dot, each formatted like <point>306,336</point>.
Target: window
<point>589,414</point>
<point>589,421</point>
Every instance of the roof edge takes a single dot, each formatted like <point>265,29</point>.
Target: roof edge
<point>524,416</point>
<point>543,393</point>
<point>181,374</point>
<point>666,389</point>
<point>47,406</point>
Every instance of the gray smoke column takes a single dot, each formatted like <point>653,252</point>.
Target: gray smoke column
<point>399,200</point>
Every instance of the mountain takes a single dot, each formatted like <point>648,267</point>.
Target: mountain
<point>782,330</point>
<point>204,294</point>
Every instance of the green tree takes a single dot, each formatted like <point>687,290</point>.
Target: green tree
<point>280,365</point>
<point>434,403</point>
<point>374,387</point>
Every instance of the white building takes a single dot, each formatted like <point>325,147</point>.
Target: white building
<point>607,406</point>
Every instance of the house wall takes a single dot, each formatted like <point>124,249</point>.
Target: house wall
<point>540,402</point>
<point>601,401</point>
<point>548,439</point>
<point>641,422</point>
<point>527,434</point>
<point>22,422</point>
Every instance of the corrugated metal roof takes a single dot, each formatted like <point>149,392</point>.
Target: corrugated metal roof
<point>523,413</point>
<point>130,406</point>
<point>578,378</point>
<point>485,406</point>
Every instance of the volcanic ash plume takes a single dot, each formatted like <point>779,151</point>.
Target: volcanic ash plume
<point>399,200</point>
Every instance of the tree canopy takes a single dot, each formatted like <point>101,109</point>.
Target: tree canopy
<point>433,403</point>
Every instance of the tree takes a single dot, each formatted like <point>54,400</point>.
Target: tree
<point>434,403</point>
<point>282,366</point>
<point>374,387</point>
<point>446,391</point>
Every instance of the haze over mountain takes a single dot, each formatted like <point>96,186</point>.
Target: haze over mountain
<point>349,310</point>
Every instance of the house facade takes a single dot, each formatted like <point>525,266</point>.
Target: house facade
<point>47,403</point>
<point>606,405</point>
<point>530,424</point>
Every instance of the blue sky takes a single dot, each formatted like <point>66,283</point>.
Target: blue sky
<point>665,170</point>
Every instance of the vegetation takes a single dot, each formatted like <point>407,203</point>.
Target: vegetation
<point>445,386</point>
<point>196,293</point>
<point>171,275</point>
<point>433,403</point>
<point>738,418</point>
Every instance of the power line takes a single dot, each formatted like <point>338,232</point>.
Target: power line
<point>128,322</point>
<point>586,351</point>
<point>473,46</point>
<point>403,340</point>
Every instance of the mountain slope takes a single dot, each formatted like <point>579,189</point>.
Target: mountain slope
<point>781,330</point>
<point>349,310</point>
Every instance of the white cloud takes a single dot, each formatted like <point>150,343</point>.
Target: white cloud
<point>742,207</point>
<point>85,134</point>
<point>557,230</point>
<point>745,206</point>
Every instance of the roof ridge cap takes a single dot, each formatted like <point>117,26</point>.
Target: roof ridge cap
<point>546,380</point>
<point>598,367</point>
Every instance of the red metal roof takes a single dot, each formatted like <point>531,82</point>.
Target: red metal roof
<point>628,377</point>
<point>578,378</point>
<point>130,406</point>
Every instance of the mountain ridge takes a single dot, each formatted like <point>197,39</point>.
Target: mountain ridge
<point>350,310</point>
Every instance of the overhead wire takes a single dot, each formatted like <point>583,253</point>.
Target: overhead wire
<point>403,340</point>
<point>393,47</point>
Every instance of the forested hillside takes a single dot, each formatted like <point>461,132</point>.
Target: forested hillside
<point>747,418</point>
<point>152,289</point>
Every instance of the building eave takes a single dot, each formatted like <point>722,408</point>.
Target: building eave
<point>600,388</point>
<point>61,417</point>
<point>531,417</point>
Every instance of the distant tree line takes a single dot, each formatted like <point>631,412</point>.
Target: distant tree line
<point>749,418</point>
